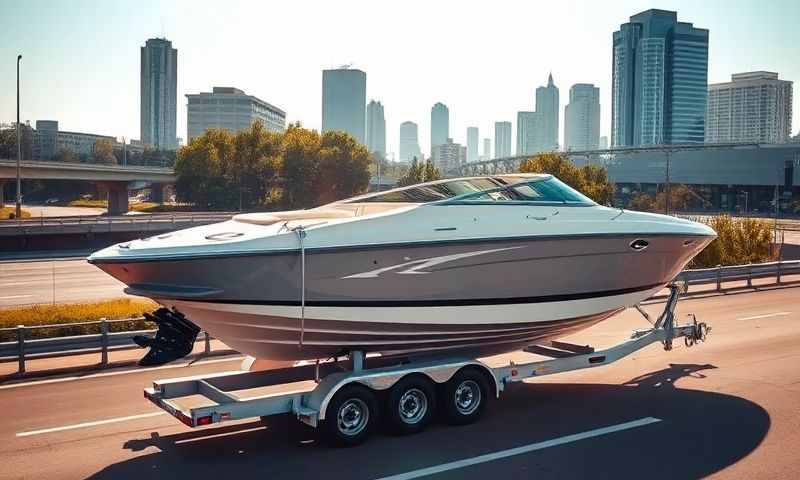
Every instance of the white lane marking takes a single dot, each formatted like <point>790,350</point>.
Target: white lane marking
<point>11,297</point>
<point>238,358</point>
<point>766,315</point>
<point>89,424</point>
<point>524,449</point>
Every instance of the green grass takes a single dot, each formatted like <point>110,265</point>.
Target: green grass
<point>73,313</point>
<point>8,213</point>
<point>145,207</point>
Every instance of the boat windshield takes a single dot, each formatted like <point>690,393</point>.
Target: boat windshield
<point>538,190</point>
<point>518,189</point>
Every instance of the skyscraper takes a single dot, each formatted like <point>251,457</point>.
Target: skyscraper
<point>159,94</point>
<point>448,157</point>
<point>409,142</point>
<point>344,99</point>
<point>659,81</point>
<point>530,133</point>
<point>472,144</point>
<point>603,142</point>
<point>487,149</point>
<point>230,109</point>
<point>502,139</point>
<point>582,118</point>
<point>547,107</point>
<point>376,129</point>
<point>440,125</point>
<point>753,107</point>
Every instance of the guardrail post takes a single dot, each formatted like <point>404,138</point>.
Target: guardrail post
<point>207,349</point>
<point>103,342</point>
<point>778,275</point>
<point>749,275</point>
<point>719,277</point>
<point>21,348</point>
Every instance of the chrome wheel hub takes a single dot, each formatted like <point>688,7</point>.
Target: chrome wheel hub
<point>413,406</point>
<point>467,397</point>
<point>353,417</point>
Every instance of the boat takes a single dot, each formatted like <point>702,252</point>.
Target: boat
<point>480,265</point>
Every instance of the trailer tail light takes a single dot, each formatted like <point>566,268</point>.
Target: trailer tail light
<point>204,420</point>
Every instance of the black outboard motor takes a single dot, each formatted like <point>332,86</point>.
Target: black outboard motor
<point>174,339</point>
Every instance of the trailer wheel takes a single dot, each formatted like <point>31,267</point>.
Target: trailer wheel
<point>350,416</point>
<point>410,405</point>
<point>465,397</point>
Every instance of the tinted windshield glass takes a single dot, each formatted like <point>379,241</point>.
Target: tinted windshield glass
<point>435,192</point>
<point>550,190</point>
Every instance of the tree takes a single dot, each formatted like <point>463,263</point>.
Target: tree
<point>8,141</point>
<point>255,164</point>
<point>66,155</point>
<point>200,173</point>
<point>642,202</point>
<point>419,173</point>
<point>300,166</point>
<point>591,180</point>
<point>104,152</point>
<point>343,167</point>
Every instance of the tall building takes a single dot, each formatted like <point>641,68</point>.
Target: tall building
<point>547,107</point>
<point>448,156</point>
<point>603,143</point>
<point>502,139</point>
<point>229,109</point>
<point>754,107</point>
<point>659,81</point>
<point>47,138</point>
<point>409,142</point>
<point>530,133</point>
<point>344,100</point>
<point>376,129</point>
<point>487,149</point>
<point>472,144</point>
<point>159,94</point>
<point>440,125</point>
<point>582,118</point>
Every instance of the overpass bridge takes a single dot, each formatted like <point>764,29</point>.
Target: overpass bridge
<point>111,178</point>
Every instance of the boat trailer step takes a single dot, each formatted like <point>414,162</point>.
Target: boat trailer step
<point>559,349</point>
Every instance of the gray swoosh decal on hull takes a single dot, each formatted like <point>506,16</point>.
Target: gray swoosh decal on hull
<point>415,266</point>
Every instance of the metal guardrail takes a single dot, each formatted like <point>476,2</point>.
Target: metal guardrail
<point>177,217</point>
<point>104,342</point>
<point>24,349</point>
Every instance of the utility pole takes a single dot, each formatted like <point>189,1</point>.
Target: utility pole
<point>19,151</point>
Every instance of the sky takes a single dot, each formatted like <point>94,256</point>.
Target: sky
<point>483,59</point>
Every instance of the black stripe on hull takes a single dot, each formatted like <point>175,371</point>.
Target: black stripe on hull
<point>460,302</point>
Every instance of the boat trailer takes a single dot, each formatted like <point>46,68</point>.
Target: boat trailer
<point>345,397</point>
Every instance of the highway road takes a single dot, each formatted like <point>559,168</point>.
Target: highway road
<point>58,281</point>
<point>729,408</point>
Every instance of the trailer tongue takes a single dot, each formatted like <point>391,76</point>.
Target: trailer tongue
<point>345,398</point>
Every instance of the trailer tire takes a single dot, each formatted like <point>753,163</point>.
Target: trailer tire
<point>464,397</point>
<point>410,405</point>
<point>350,417</point>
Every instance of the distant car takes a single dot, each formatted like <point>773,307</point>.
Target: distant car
<point>51,201</point>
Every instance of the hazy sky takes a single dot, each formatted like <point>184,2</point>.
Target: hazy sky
<point>483,59</point>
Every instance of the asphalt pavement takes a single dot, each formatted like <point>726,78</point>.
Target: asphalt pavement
<point>728,408</point>
<point>55,281</point>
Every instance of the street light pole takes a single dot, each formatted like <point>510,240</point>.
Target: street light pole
<point>18,214</point>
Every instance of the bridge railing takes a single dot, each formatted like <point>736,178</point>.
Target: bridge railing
<point>23,348</point>
<point>159,218</point>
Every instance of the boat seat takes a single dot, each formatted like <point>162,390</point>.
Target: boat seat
<point>269,218</point>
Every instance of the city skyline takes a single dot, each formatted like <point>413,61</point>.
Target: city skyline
<point>107,100</point>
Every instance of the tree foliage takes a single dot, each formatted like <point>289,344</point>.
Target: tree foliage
<point>418,173</point>
<point>104,152</point>
<point>254,168</point>
<point>681,199</point>
<point>739,241</point>
<point>591,180</point>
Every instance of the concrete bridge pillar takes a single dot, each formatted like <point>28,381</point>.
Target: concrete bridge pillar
<point>117,194</point>
<point>157,192</point>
